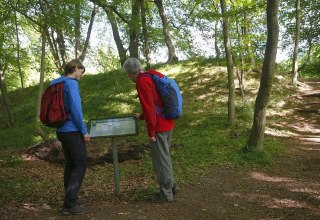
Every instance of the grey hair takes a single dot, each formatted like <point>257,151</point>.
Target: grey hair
<point>132,65</point>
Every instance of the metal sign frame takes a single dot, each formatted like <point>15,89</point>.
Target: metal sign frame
<point>114,127</point>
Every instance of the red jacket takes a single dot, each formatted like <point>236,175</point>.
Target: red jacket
<point>151,104</point>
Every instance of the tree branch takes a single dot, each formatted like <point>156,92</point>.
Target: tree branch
<point>106,6</point>
<point>93,14</point>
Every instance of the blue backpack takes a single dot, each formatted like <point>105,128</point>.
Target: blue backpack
<point>170,95</point>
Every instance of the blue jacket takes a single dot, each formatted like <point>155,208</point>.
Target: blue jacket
<point>72,103</point>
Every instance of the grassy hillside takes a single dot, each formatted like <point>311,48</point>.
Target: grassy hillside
<point>202,128</point>
<point>202,137</point>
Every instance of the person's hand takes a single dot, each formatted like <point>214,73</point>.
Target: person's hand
<point>86,137</point>
<point>136,115</point>
<point>153,139</point>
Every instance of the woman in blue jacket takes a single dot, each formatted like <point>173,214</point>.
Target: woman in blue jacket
<point>73,136</point>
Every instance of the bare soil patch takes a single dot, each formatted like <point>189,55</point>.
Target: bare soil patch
<point>99,151</point>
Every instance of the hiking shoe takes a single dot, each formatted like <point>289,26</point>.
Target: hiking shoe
<point>81,201</point>
<point>175,189</point>
<point>75,210</point>
<point>165,199</point>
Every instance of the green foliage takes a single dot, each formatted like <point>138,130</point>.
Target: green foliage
<point>107,60</point>
<point>13,161</point>
<point>245,112</point>
<point>311,70</point>
<point>284,66</point>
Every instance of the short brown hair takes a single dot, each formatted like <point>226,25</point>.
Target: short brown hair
<point>71,66</point>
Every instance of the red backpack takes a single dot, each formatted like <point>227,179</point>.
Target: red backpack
<point>52,111</point>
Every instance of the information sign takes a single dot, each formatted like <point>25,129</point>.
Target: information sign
<point>112,127</point>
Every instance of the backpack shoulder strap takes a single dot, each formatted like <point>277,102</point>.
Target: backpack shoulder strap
<point>153,76</point>
<point>146,74</point>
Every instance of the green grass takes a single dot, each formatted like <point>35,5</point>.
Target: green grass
<point>18,188</point>
<point>13,161</point>
<point>202,134</point>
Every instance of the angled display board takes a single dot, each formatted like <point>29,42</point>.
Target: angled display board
<point>113,127</point>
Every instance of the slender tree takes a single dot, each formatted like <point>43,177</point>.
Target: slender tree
<point>77,31</point>
<point>134,29</point>
<point>146,47</point>
<point>296,44</point>
<point>255,141</point>
<point>7,56</point>
<point>116,35</point>
<point>132,21</point>
<point>18,54</point>
<point>230,64</point>
<point>216,29</point>
<point>241,66</point>
<point>38,128</point>
<point>216,45</point>
<point>172,57</point>
<point>307,16</point>
<point>248,40</point>
<point>5,97</point>
<point>86,44</point>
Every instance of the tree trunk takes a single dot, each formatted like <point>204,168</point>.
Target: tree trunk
<point>54,52</point>
<point>255,141</point>
<point>18,58</point>
<point>50,35</point>
<point>296,45</point>
<point>38,129</point>
<point>240,68</point>
<point>216,45</point>
<point>110,10</point>
<point>231,87</point>
<point>134,29</point>
<point>146,49</point>
<point>116,36</point>
<point>308,55</point>
<point>301,67</point>
<point>5,97</point>
<point>172,57</point>
<point>86,44</point>
<point>77,31</point>
<point>62,46</point>
<point>248,44</point>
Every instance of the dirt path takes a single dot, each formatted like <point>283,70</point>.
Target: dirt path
<point>288,189</point>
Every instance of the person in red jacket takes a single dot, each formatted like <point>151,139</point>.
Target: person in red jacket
<point>159,129</point>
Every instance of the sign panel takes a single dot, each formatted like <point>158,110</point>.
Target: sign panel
<point>111,127</point>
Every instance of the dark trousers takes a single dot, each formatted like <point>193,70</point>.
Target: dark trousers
<point>75,153</point>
